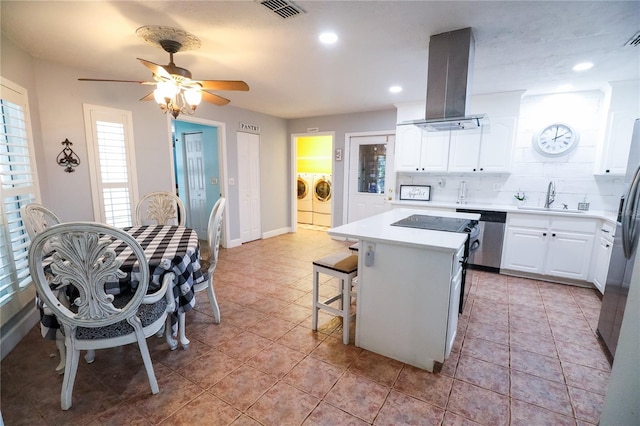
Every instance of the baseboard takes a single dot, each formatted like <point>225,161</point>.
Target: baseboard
<point>276,232</point>
<point>234,243</point>
<point>12,337</point>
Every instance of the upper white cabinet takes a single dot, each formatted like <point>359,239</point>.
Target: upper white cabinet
<point>487,149</point>
<point>549,245</point>
<point>624,109</point>
<point>417,150</point>
<point>484,150</point>
<point>497,144</point>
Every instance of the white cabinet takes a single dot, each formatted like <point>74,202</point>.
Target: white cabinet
<point>602,256</point>
<point>624,109</point>
<point>525,243</point>
<point>487,149</point>
<point>497,144</point>
<point>464,150</point>
<point>408,148</point>
<point>420,151</point>
<point>549,245</point>
<point>454,302</point>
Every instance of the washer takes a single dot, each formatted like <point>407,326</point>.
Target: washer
<point>322,194</point>
<point>305,198</point>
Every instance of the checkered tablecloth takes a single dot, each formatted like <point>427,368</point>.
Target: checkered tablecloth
<point>167,249</point>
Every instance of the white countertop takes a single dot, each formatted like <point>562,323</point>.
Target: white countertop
<point>592,214</point>
<point>378,229</point>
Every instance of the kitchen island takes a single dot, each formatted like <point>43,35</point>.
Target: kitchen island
<point>409,283</point>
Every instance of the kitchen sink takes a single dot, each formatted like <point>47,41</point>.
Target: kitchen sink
<point>550,209</point>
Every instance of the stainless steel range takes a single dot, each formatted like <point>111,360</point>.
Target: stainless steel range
<point>450,224</point>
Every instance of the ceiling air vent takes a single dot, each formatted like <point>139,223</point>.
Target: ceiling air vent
<point>634,41</point>
<point>282,8</point>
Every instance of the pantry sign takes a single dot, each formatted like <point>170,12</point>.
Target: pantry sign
<point>249,128</point>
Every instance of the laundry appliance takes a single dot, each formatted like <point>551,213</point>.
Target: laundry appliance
<point>322,193</point>
<point>305,198</point>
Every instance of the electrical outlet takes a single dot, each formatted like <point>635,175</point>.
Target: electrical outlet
<point>497,187</point>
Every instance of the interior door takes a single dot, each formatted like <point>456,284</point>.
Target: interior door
<point>195,180</point>
<point>197,170</point>
<point>370,168</point>
<point>249,186</point>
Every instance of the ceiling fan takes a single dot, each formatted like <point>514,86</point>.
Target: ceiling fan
<point>176,92</point>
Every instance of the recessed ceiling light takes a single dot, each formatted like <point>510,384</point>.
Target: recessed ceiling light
<point>328,38</point>
<point>395,89</point>
<point>583,66</point>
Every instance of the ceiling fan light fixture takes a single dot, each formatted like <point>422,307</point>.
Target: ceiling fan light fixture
<point>193,97</point>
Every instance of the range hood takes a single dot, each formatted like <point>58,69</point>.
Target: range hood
<point>449,74</point>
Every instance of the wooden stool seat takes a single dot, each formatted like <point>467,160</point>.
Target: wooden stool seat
<point>343,266</point>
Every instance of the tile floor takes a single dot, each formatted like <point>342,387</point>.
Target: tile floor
<point>526,354</point>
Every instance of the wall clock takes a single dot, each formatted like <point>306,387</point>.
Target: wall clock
<point>555,140</point>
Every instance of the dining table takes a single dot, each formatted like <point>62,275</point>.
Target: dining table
<point>168,249</point>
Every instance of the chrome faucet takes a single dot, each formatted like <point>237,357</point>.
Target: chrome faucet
<point>551,195</point>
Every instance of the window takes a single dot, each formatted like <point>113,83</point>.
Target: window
<point>18,186</point>
<point>111,160</point>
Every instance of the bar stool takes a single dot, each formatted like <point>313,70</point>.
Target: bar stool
<point>343,266</point>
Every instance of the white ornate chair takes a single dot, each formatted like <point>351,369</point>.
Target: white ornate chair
<point>37,218</point>
<point>160,208</point>
<point>214,232</point>
<point>80,264</point>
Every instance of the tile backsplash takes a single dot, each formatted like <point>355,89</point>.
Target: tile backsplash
<point>573,174</point>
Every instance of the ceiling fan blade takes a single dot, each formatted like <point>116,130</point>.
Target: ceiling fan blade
<point>155,69</point>
<point>223,85</point>
<point>117,81</point>
<point>149,97</point>
<point>214,99</point>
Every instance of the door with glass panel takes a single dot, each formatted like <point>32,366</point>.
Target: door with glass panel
<point>370,175</point>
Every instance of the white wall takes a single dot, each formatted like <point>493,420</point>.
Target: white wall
<point>531,172</point>
<point>56,98</point>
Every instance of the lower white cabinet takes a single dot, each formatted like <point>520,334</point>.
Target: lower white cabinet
<point>602,256</point>
<point>454,307</point>
<point>549,245</point>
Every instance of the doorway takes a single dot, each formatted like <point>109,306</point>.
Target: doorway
<point>196,151</point>
<point>312,156</point>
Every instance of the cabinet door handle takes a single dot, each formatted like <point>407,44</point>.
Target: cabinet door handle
<point>481,168</point>
<point>605,230</point>
<point>608,246</point>
<point>474,170</point>
<point>553,235</point>
<point>544,234</point>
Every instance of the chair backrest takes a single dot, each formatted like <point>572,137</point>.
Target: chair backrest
<point>160,208</point>
<point>214,230</point>
<point>37,218</point>
<point>81,257</point>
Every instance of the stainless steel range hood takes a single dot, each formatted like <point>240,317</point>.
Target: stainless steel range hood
<point>449,75</point>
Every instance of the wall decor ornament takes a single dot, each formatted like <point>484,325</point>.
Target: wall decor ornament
<point>67,158</point>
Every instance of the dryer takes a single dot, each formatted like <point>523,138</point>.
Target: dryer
<point>322,194</point>
<point>305,197</point>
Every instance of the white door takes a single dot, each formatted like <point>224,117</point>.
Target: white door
<point>249,186</point>
<point>195,177</point>
<point>370,174</point>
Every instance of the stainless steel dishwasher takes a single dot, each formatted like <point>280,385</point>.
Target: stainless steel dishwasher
<point>488,255</point>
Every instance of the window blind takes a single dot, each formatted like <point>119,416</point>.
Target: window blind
<point>109,132</point>
<point>18,187</point>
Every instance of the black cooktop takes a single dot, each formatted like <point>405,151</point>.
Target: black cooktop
<point>435,223</point>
